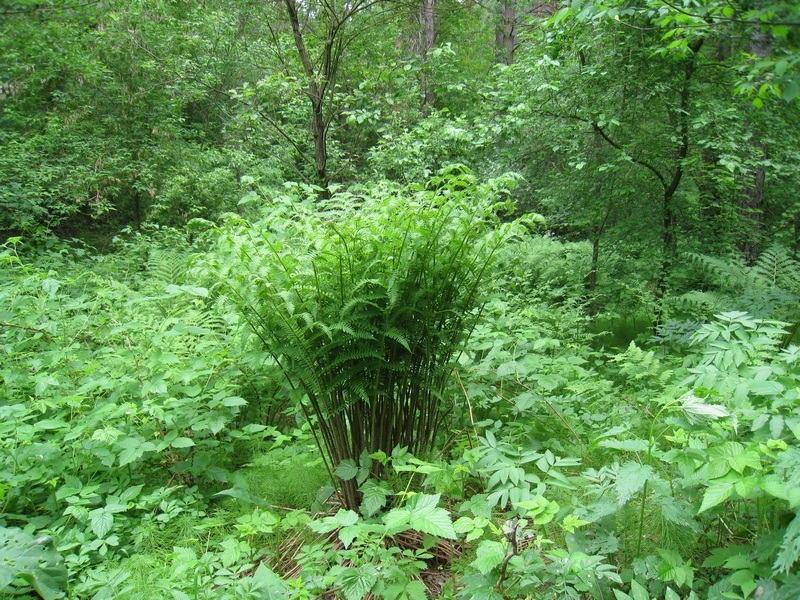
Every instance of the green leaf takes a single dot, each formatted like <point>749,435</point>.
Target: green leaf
<point>50,287</point>
<point>790,547</point>
<point>373,497</point>
<point>101,521</point>
<point>347,469</point>
<point>268,582</point>
<point>490,554</point>
<point>182,442</point>
<point>357,582</point>
<point>345,518</point>
<point>716,494</point>
<point>33,560</point>
<point>669,594</point>
<point>232,401</point>
<point>426,517</point>
<point>51,424</point>
<point>625,445</point>
<point>631,479</point>
<point>745,579</point>
<point>243,494</point>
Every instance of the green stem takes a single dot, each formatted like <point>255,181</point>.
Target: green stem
<point>641,520</point>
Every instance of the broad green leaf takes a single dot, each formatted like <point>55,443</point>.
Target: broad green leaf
<point>716,494</point>
<point>245,495</point>
<point>270,583</point>
<point>34,560</point>
<point>346,518</point>
<point>669,594</point>
<point>739,462</point>
<point>638,591</point>
<point>101,521</point>
<point>347,469</point>
<point>232,401</point>
<point>373,497</point>
<point>745,579</point>
<point>631,478</point>
<point>182,442</point>
<point>426,517</point>
<point>357,582</point>
<point>490,554</point>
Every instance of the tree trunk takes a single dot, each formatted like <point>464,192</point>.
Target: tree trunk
<point>506,38</point>
<point>751,202</point>
<point>669,216</point>
<point>319,130</point>
<point>751,207</point>
<point>427,39</point>
<point>318,84</point>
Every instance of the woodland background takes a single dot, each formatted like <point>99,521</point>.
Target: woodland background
<point>460,299</point>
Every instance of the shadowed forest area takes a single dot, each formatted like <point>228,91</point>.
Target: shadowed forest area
<point>461,299</point>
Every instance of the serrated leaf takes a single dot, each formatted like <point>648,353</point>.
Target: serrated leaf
<point>347,469</point>
<point>739,462</point>
<point>373,497</point>
<point>716,494</point>
<point>345,518</point>
<point>133,449</point>
<point>631,478</point>
<point>790,547</point>
<point>426,517</point>
<point>101,522</point>
<point>356,583</point>
<point>490,554</point>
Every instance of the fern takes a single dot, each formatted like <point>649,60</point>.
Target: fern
<point>365,304</point>
<point>790,548</point>
<point>166,266</point>
<point>769,289</point>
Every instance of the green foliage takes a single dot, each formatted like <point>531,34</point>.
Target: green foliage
<point>27,563</point>
<point>364,302</point>
<point>770,288</point>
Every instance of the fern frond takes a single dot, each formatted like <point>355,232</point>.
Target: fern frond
<point>776,267</point>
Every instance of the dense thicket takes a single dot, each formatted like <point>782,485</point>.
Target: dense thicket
<point>400,300</point>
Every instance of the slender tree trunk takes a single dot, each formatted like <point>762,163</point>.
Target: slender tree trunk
<point>751,207</point>
<point>591,284</point>
<point>319,129</point>
<point>318,83</point>
<point>751,202</point>
<point>427,39</point>
<point>669,249</point>
<point>506,37</point>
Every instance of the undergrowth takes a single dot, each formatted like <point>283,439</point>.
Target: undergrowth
<point>151,449</point>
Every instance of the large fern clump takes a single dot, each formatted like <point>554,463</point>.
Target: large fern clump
<point>365,301</point>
